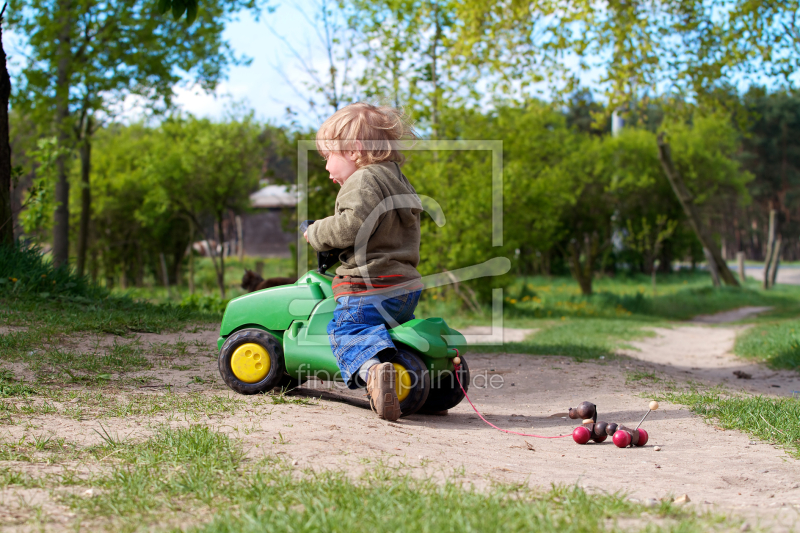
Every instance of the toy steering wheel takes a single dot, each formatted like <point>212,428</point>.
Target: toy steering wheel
<point>326,259</point>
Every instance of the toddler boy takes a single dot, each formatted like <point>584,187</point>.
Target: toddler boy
<point>376,222</point>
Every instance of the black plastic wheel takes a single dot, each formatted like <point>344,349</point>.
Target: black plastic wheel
<point>416,388</point>
<point>238,343</point>
<point>445,391</point>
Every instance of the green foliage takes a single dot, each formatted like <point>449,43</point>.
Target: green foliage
<point>178,8</point>
<point>705,153</point>
<point>771,152</point>
<point>205,169</point>
<point>647,238</point>
<point>37,217</point>
<point>154,186</point>
<point>567,192</point>
<point>207,304</point>
<point>24,273</point>
<point>94,54</point>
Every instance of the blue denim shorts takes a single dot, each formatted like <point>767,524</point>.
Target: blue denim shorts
<point>359,329</point>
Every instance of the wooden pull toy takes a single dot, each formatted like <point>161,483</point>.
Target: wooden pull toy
<point>598,431</point>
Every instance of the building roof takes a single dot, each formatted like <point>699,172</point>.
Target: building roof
<point>275,196</point>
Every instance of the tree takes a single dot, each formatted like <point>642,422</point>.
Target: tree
<point>771,152</point>
<point>586,213</point>
<point>6,222</point>
<point>205,169</point>
<point>410,58</point>
<point>88,56</point>
<point>692,50</point>
<point>333,86</point>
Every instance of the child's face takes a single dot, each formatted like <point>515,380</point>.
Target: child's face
<point>341,165</point>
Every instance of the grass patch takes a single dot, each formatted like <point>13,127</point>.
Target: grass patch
<point>775,420</point>
<point>96,404</point>
<point>10,387</point>
<point>45,353</point>
<point>680,296</point>
<point>640,376</point>
<point>114,315</point>
<point>775,343</point>
<point>203,480</point>
<point>383,502</point>
<point>591,327</point>
<point>590,338</point>
<point>89,404</point>
<point>34,293</point>
<point>205,280</point>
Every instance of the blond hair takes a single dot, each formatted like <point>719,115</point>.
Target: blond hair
<point>379,129</point>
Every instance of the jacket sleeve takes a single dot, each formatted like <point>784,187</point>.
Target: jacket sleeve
<point>359,196</point>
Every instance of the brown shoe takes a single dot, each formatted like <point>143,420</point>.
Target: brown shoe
<point>381,391</point>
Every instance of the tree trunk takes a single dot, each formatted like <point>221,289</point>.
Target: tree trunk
<point>94,265</point>
<point>240,240</point>
<point>61,216</point>
<point>769,255</point>
<point>583,272</point>
<point>139,279</point>
<point>740,261</point>
<point>86,199</point>
<point>687,202</point>
<point>712,267</point>
<point>653,276</point>
<point>164,272</point>
<point>191,258</point>
<point>6,216</point>
<point>221,269</point>
<point>776,259</point>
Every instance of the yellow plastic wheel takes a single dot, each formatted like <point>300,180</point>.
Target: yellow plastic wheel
<point>250,363</point>
<point>402,384</point>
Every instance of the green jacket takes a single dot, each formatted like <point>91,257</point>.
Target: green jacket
<point>376,222</point>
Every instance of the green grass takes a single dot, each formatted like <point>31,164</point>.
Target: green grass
<point>88,404</point>
<point>45,353</point>
<point>117,316</point>
<point>680,296</point>
<point>775,343</point>
<point>34,293</point>
<point>197,478</point>
<point>206,281</point>
<point>775,420</point>
<point>589,327</point>
<point>10,387</point>
<point>589,338</point>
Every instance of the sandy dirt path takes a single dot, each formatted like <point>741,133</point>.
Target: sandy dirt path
<point>725,471</point>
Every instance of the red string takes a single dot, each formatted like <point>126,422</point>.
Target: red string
<point>457,367</point>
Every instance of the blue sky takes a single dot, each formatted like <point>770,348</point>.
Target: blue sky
<point>259,86</point>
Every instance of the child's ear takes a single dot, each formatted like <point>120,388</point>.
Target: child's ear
<point>356,154</point>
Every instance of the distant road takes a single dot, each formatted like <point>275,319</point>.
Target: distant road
<point>789,274</point>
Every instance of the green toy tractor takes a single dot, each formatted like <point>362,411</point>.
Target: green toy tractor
<point>278,337</point>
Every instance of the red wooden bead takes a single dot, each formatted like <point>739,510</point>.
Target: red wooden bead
<point>581,435</point>
<point>622,439</point>
<point>642,438</point>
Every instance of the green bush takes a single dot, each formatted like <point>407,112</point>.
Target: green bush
<point>206,304</point>
<point>24,271</point>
